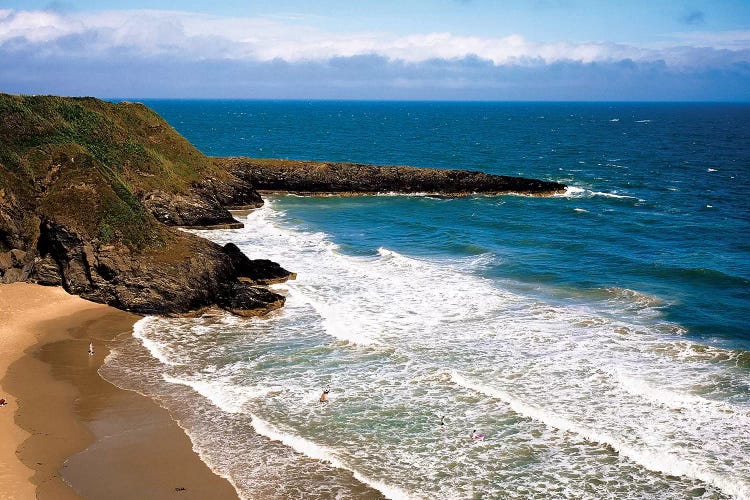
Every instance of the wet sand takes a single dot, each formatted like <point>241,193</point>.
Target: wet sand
<point>68,433</point>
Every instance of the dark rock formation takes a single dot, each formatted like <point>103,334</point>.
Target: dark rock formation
<point>258,271</point>
<point>247,300</point>
<point>18,227</point>
<point>306,177</point>
<point>201,275</point>
<point>232,192</point>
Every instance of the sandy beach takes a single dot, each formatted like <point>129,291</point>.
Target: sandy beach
<point>67,432</point>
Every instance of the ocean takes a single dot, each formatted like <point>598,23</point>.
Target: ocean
<point>598,339</point>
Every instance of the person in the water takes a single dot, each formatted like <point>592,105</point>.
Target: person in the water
<point>324,395</point>
<point>442,423</point>
<point>476,436</point>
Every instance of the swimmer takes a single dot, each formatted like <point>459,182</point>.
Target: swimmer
<point>477,437</point>
<point>324,396</point>
<point>442,423</point>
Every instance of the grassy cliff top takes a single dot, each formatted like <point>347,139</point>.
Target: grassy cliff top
<point>87,163</point>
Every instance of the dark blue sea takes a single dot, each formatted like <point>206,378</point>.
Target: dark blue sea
<point>599,339</point>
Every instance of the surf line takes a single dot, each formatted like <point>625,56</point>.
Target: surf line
<point>665,463</point>
<point>140,329</point>
<point>321,453</point>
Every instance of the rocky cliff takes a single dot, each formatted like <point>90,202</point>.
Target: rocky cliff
<point>89,194</point>
<point>307,177</point>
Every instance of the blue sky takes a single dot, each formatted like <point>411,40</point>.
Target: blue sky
<point>366,49</point>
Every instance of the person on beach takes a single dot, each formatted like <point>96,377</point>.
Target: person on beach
<point>91,348</point>
<point>2,402</point>
<point>324,395</point>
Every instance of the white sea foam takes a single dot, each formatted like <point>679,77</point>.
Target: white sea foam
<point>318,452</point>
<point>157,349</point>
<point>613,195</point>
<point>633,300</point>
<point>421,194</point>
<point>228,396</point>
<point>571,192</point>
<point>668,462</point>
<point>338,323</point>
<point>579,192</point>
<point>674,399</point>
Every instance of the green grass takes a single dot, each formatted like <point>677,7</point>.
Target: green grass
<point>89,161</point>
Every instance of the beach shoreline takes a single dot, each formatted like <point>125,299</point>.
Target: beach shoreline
<point>70,433</point>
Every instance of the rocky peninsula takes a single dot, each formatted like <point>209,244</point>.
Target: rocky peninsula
<point>93,193</point>
<point>328,178</point>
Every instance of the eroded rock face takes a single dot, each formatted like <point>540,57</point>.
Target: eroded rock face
<point>189,211</point>
<point>18,230</point>
<point>203,274</point>
<point>230,191</point>
<point>207,205</point>
<point>14,266</point>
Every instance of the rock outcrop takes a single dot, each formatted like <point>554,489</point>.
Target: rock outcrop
<point>206,205</point>
<point>257,271</point>
<point>307,177</point>
<point>203,274</point>
<point>189,210</point>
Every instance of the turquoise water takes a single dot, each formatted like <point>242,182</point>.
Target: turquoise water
<point>598,338</point>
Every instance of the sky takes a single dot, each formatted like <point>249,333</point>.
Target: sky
<point>533,50</point>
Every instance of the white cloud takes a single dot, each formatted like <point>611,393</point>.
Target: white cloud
<point>194,36</point>
<point>36,26</point>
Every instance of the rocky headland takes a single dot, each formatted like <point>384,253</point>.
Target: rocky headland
<point>93,193</point>
<point>330,178</point>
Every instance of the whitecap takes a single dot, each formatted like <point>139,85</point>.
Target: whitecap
<point>613,195</point>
